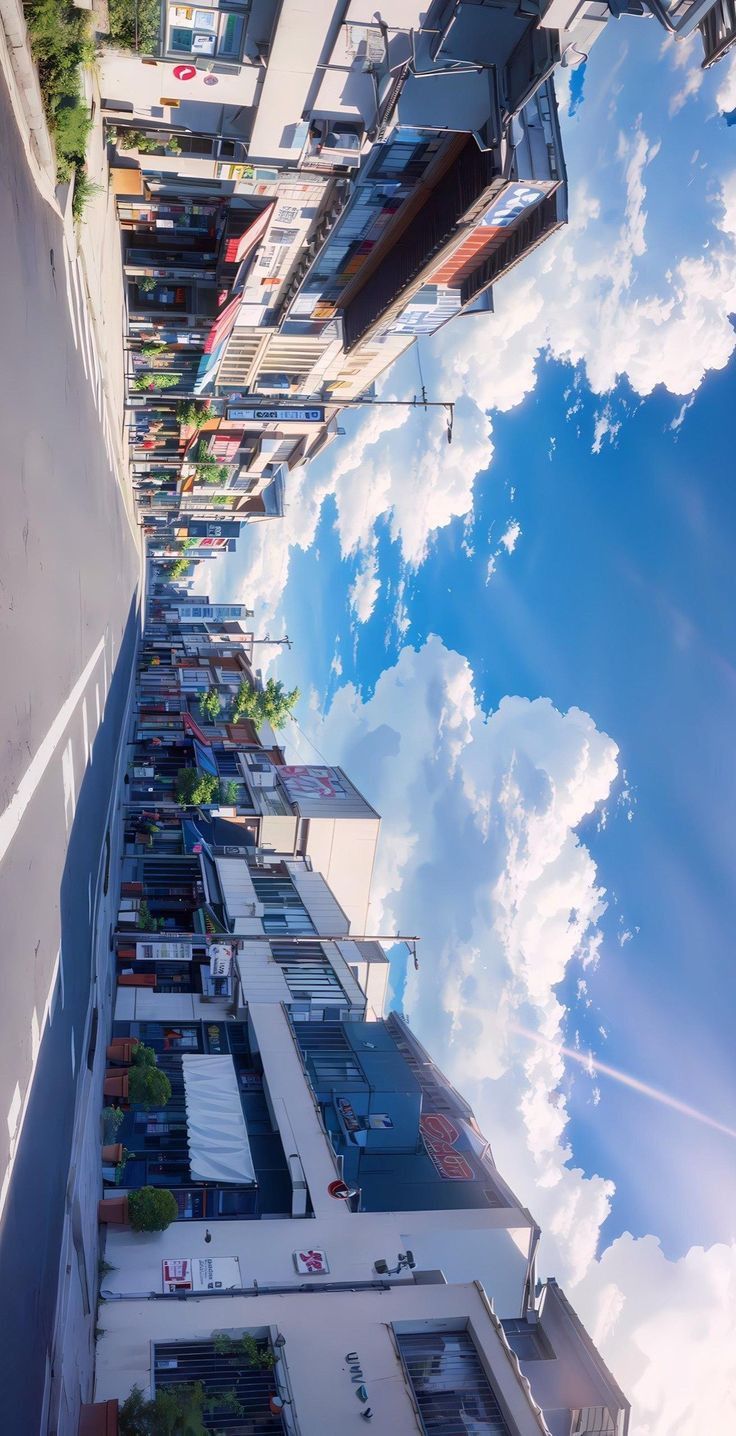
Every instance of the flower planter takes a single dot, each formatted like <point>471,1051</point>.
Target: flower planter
<point>121,1050</point>
<point>99,1419</point>
<point>116,1083</point>
<point>112,1154</point>
<point>113,1211</point>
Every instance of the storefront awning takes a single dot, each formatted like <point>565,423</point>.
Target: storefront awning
<point>219,1150</point>
<point>205,758</point>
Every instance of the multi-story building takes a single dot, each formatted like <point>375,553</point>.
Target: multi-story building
<point>391,1276</point>
<point>304,191</point>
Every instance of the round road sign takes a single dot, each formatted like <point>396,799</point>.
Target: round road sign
<point>184,72</point>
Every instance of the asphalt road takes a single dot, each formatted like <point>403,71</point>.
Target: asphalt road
<point>68,596</point>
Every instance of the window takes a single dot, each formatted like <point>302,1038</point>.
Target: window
<point>330,1054</point>
<point>309,974</point>
<point>450,1386</point>
<point>527,1340</point>
<point>228,1371</point>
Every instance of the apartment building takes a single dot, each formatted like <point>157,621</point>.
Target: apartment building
<point>412,1301</point>
<point>332,1242</point>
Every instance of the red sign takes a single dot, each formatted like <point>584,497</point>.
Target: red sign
<point>311,782</point>
<point>184,72</point>
<point>439,1136</point>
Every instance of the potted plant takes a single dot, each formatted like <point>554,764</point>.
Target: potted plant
<point>175,1409</point>
<point>151,1209</point>
<point>144,1056</point>
<point>111,1119</point>
<point>148,1087</point>
<point>116,1083</point>
<point>113,1211</point>
<point>121,1050</point>
<point>112,1153</point>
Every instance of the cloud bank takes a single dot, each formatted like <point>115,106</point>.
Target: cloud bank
<point>481,819</point>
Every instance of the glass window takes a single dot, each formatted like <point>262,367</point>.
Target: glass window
<point>450,1386</point>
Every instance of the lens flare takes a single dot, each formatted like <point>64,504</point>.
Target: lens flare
<point>626,1080</point>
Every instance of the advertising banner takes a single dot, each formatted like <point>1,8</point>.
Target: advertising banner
<point>313,782</point>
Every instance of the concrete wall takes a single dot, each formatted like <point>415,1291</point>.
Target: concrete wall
<point>123,77</point>
<point>490,1244</point>
<point>344,849</point>
<point>319,1330</point>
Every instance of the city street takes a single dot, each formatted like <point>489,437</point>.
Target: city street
<point>69,579</point>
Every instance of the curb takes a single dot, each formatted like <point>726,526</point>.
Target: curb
<point>25,88</point>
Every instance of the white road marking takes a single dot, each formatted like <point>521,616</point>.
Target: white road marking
<point>35,1036</point>
<point>97,702</point>
<point>50,1004</point>
<point>104,676</point>
<point>70,792</point>
<point>89,897</point>
<point>85,730</point>
<point>74,1055</point>
<point>11,818</point>
<point>14,1112</point>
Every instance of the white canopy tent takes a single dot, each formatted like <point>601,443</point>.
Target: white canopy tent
<point>219,1150</point>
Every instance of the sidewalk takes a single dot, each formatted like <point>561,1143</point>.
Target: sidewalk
<point>70,1378</point>
<point>97,241</point>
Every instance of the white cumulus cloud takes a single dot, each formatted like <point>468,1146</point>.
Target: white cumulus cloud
<point>481,836</point>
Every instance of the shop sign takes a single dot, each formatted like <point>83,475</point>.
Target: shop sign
<point>277,416</point>
<point>439,1136</point>
<point>221,957</point>
<point>312,1262</point>
<point>200,1274</point>
<point>311,781</point>
<point>512,203</point>
<point>163,951</point>
<point>347,1112</point>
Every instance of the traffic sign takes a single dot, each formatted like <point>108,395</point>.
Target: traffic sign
<point>185,72</point>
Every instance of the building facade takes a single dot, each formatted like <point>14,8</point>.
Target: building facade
<point>341,1247</point>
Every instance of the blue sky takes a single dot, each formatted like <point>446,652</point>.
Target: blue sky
<point>521,648</point>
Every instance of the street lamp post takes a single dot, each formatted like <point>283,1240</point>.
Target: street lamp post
<point>417,402</point>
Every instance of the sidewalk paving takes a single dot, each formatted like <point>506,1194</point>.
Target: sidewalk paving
<point>70,1379</point>
<point>96,244</point>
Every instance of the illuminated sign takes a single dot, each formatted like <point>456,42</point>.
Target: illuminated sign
<point>511,203</point>
<point>439,1136</point>
<point>277,416</point>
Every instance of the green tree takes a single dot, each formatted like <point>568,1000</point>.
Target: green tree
<point>269,705</point>
<point>150,380</point>
<point>193,415</point>
<point>193,787</point>
<point>178,568</point>
<point>229,792</point>
<point>208,471</point>
<point>210,704</point>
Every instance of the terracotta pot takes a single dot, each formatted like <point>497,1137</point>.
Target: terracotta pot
<point>113,1211</point>
<point>116,1083</point>
<point>121,1050</point>
<point>112,1154</point>
<point>137,979</point>
<point>99,1419</point>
